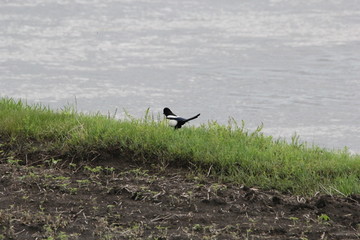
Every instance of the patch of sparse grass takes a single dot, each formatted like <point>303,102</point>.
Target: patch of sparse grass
<point>228,152</point>
<point>50,225</point>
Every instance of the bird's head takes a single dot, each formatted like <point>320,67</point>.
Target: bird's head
<point>168,112</point>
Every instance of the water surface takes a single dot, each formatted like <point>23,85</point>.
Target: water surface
<point>292,65</point>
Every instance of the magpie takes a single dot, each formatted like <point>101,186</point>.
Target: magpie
<point>176,121</point>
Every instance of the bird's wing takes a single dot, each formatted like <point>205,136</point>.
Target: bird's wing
<point>177,118</point>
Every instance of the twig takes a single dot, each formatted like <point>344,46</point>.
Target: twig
<point>208,173</point>
<point>161,218</point>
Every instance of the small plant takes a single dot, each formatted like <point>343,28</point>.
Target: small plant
<point>109,169</point>
<point>83,182</point>
<point>61,178</point>
<point>42,209</point>
<point>33,175</point>
<point>72,165</point>
<point>197,227</point>
<point>62,236</point>
<point>49,231</point>
<point>73,191</point>
<point>323,218</point>
<point>247,236</point>
<point>96,169</point>
<point>138,172</point>
<point>64,186</point>
<point>110,207</point>
<point>12,161</point>
<point>294,219</point>
<point>25,197</point>
<point>218,187</point>
<point>52,162</point>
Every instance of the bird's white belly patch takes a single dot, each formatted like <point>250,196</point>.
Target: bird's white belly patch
<point>172,122</point>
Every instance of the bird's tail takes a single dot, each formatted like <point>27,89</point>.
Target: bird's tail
<point>192,118</point>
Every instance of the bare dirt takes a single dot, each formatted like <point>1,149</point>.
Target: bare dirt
<point>116,200</point>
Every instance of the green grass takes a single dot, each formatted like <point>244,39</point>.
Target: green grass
<point>228,152</point>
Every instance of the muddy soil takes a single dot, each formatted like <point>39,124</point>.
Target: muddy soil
<point>117,200</point>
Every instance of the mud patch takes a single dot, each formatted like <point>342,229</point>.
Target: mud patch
<point>119,201</point>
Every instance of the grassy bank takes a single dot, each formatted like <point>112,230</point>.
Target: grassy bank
<point>230,152</point>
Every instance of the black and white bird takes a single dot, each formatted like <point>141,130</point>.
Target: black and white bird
<point>176,121</point>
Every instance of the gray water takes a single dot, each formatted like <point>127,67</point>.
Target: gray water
<point>293,65</point>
